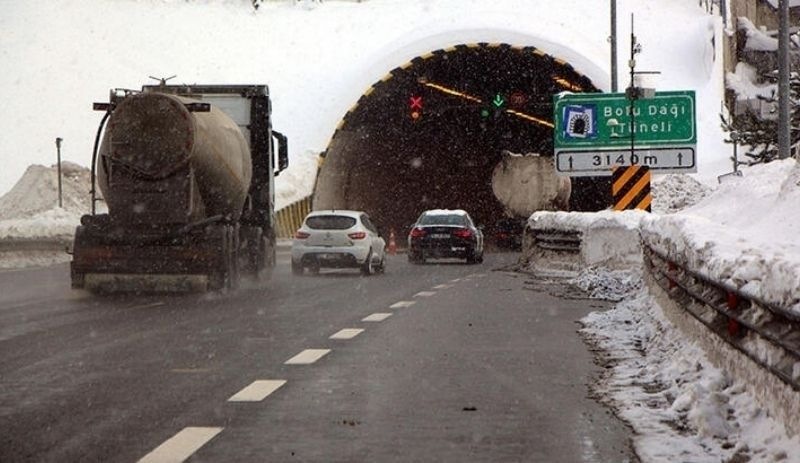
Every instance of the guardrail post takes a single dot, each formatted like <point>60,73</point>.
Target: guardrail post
<point>671,269</point>
<point>733,304</point>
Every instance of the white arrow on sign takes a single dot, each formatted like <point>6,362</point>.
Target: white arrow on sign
<point>599,163</point>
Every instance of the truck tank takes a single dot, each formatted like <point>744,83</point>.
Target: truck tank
<point>162,163</point>
<point>187,172</point>
<point>528,183</point>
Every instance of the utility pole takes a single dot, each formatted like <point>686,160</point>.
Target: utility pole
<point>58,164</point>
<point>633,91</point>
<point>614,46</point>
<point>784,135</point>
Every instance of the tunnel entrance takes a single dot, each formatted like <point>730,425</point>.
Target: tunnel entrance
<point>430,134</point>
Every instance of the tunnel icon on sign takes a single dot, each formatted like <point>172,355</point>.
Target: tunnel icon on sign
<point>580,121</point>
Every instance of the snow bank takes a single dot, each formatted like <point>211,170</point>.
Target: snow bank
<point>681,406</point>
<point>53,223</point>
<point>30,210</point>
<point>607,238</point>
<point>37,191</point>
<point>744,233</point>
<point>675,192</point>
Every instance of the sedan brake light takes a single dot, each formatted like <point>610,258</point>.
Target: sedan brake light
<point>463,233</point>
<point>417,232</point>
<point>301,235</point>
<point>357,235</point>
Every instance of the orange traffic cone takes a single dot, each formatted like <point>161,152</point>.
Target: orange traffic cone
<point>392,248</point>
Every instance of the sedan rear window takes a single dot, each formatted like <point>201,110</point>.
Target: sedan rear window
<point>330,222</point>
<point>451,219</point>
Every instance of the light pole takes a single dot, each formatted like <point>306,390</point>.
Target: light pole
<point>613,38</point>
<point>784,135</point>
<point>633,92</point>
<point>58,164</point>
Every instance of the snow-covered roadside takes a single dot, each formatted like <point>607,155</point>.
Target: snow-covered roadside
<point>743,233</point>
<point>681,407</point>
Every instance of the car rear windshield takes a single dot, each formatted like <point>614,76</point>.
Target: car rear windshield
<point>330,222</point>
<point>450,219</point>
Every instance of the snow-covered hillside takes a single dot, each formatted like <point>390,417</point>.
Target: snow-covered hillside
<point>62,55</point>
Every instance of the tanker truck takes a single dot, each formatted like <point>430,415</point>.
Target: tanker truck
<point>187,173</point>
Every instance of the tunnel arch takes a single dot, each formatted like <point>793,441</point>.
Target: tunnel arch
<point>394,157</point>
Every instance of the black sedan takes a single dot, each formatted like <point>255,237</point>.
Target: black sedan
<point>445,233</point>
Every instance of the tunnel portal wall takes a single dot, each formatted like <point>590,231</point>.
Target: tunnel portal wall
<point>393,166</point>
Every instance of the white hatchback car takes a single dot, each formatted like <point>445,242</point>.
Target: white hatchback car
<point>338,239</point>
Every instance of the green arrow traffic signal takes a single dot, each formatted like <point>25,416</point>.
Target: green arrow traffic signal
<point>498,101</point>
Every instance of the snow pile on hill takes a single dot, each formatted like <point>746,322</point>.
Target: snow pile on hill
<point>37,191</point>
<point>30,209</point>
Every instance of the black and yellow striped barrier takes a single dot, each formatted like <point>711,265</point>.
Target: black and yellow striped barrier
<point>630,188</point>
<point>291,217</point>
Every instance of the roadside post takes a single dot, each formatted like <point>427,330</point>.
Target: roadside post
<point>58,168</point>
<point>734,135</point>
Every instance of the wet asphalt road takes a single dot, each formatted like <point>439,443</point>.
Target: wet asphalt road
<point>470,364</point>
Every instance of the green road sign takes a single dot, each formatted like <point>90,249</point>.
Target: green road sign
<point>602,121</point>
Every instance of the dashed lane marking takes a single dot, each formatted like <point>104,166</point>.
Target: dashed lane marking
<point>181,446</point>
<point>402,304</point>
<point>442,286</point>
<point>347,333</point>
<point>257,391</point>
<point>307,357</point>
<point>377,317</point>
<point>425,294</point>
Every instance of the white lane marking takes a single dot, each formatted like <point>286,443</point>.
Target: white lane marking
<point>347,333</point>
<point>307,357</point>
<point>181,446</point>
<point>442,286</point>
<point>377,317</point>
<point>456,280</point>
<point>257,391</point>
<point>402,304</point>
<point>425,294</point>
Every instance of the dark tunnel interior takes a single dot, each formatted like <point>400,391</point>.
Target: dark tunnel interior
<point>430,134</point>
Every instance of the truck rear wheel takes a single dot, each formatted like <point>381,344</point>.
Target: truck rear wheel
<point>224,240</point>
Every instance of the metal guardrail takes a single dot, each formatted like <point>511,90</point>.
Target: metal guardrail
<point>767,334</point>
<point>291,217</point>
<point>34,244</point>
<point>557,240</point>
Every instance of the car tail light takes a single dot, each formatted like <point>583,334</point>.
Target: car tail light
<point>417,233</point>
<point>463,233</point>
<point>357,235</point>
<point>301,235</point>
